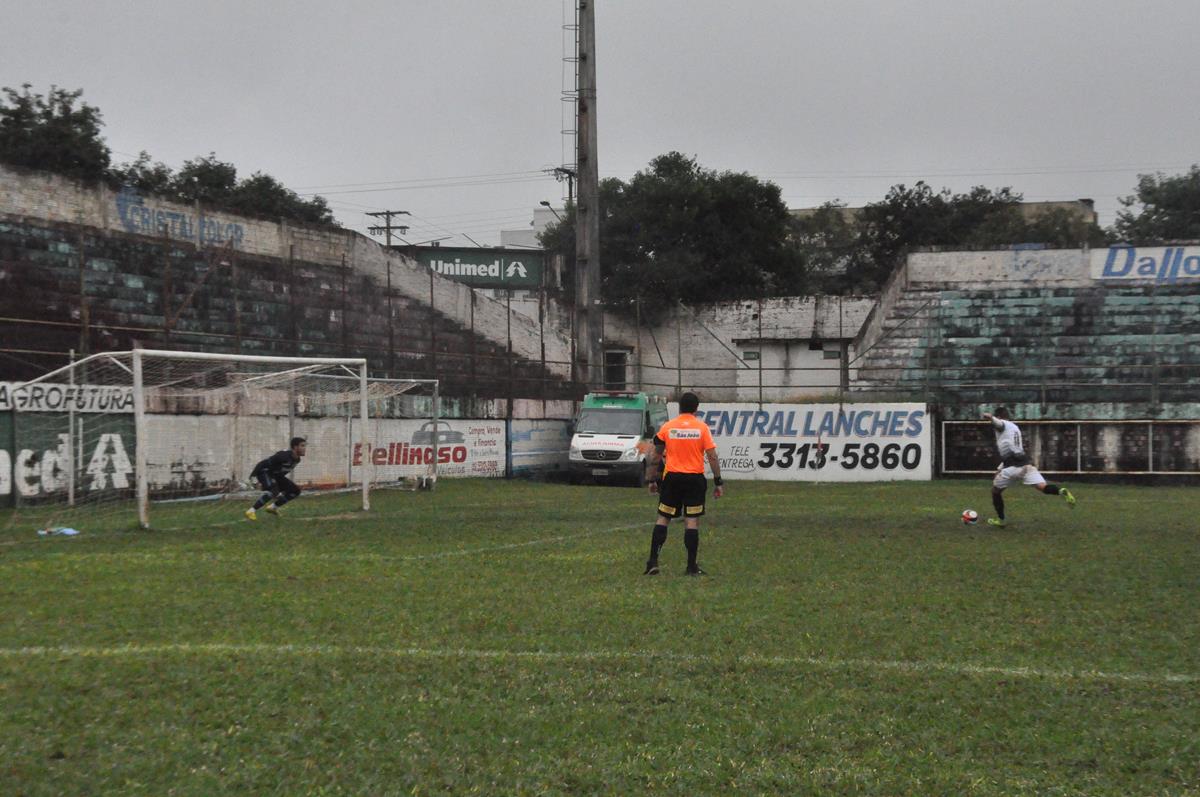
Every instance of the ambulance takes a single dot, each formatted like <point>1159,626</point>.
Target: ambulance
<point>613,435</point>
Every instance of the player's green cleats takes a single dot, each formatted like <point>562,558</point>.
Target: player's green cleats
<point>1067,495</point>
<point>997,522</point>
<point>251,514</point>
<point>274,510</point>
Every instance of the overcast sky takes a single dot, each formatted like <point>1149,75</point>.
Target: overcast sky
<point>449,108</point>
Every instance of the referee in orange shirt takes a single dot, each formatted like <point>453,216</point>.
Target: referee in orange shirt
<point>681,486</point>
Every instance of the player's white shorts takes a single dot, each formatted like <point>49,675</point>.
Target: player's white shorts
<point>1026,473</point>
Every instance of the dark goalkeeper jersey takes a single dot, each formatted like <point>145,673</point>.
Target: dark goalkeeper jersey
<point>280,463</point>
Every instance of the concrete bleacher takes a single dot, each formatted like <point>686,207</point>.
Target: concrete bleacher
<point>1059,341</point>
<point>68,287</point>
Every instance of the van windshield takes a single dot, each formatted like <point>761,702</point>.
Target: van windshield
<point>597,421</point>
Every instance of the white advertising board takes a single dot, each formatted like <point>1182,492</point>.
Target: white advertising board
<point>821,442</point>
<point>192,451</point>
<point>51,397</point>
<point>464,448</point>
<point>1146,263</point>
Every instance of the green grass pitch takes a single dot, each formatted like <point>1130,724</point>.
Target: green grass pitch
<point>499,638</point>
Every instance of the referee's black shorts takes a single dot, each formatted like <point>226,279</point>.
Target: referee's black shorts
<point>682,494</point>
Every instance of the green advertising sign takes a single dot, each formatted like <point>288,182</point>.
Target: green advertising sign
<point>486,267</point>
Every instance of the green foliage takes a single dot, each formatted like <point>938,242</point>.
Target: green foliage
<point>828,241</point>
<point>53,132</point>
<point>679,232</point>
<point>215,182</point>
<point>144,176</point>
<point>263,194</point>
<point>207,179</point>
<point>850,639</point>
<point>1163,209</point>
<point>871,242</point>
<point>57,133</point>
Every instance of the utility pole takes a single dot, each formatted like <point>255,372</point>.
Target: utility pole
<point>387,226</point>
<point>589,313</point>
<point>561,173</point>
<point>386,230</point>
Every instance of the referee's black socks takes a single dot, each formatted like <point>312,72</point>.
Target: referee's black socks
<point>691,540</point>
<point>657,539</point>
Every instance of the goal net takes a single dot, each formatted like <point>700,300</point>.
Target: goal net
<point>159,437</point>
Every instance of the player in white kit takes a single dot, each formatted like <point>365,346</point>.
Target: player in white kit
<point>1015,465</point>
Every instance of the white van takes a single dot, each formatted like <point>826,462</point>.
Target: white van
<point>613,436</point>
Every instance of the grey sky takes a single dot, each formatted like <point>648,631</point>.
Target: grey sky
<point>1057,98</point>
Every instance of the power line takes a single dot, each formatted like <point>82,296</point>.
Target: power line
<point>407,180</point>
<point>465,183</point>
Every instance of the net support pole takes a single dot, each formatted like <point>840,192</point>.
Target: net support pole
<point>436,426</point>
<point>140,439</point>
<point>366,443</point>
<point>69,465</point>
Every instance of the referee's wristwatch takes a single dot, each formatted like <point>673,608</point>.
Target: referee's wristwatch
<point>718,481</point>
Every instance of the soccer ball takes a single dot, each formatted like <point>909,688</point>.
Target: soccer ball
<point>970,517</point>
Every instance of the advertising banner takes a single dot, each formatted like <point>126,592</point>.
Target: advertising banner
<point>463,448</point>
<point>821,442</point>
<point>485,267</point>
<point>1146,263</point>
<point>36,460</point>
<point>50,397</point>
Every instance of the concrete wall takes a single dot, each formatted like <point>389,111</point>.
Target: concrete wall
<point>49,198</point>
<point>1071,447</point>
<point>714,339</point>
<point>204,454</point>
<point>1012,268</point>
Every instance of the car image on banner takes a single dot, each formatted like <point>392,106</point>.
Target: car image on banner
<point>821,442</point>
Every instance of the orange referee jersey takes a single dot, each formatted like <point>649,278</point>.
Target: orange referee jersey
<point>687,438</point>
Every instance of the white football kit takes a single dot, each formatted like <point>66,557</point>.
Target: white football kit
<point>1010,444</point>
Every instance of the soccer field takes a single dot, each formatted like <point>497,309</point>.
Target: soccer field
<point>498,638</point>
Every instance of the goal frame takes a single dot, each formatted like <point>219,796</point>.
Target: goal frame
<point>139,406</point>
<point>137,379</point>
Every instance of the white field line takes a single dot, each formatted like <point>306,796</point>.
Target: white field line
<point>161,556</point>
<point>265,522</point>
<point>218,649</point>
<point>511,545</point>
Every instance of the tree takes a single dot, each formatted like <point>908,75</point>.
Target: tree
<point>827,240</point>
<point>59,133</point>
<point>262,194</point>
<point>679,232</point>
<point>206,179</point>
<point>146,177</point>
<point>1163,209</point>
<point>214,182</point>
<point>52,133</point>
<point>907,218</point>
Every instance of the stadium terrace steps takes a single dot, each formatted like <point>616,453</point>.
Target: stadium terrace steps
<point>132,285</point>
<point>1104,343</point>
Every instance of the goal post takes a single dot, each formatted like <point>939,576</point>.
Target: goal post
<point>284,367</point>
<point>197,423</point>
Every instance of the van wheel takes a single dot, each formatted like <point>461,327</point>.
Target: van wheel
<point>640,479</point>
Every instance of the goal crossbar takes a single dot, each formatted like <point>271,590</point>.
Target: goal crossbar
<point>297,364</point>
<point>171,404</point>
